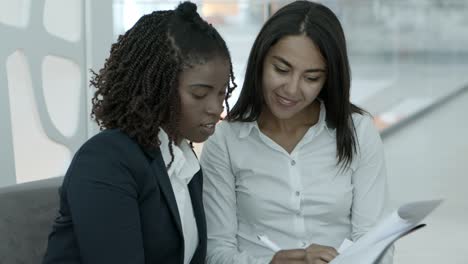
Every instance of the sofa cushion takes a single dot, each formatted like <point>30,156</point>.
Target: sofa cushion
<point>27,212</point>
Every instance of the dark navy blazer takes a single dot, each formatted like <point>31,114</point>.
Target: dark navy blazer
<point>117,206</point>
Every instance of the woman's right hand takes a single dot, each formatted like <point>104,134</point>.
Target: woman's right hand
<point>313,254</point>
<point>318,254</point>
<point>290,256</point>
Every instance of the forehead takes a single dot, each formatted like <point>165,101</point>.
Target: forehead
<point>300,51</point>
<point>209,70</point>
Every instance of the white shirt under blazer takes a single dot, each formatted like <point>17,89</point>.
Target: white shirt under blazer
<point>184,166</point>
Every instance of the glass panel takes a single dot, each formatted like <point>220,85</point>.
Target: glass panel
<point>61,82</point>
<point>68,12</point>
<point>405,55</point>
<point>28,132</point>
<point>15,12</point>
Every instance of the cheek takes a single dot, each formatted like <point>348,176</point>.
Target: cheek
<point>271,81</point>
<point>187,113</point>
<point>313,91</point>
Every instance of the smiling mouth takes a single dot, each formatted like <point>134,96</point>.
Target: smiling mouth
<point>209,125</point>
<point>285,101</point>
<point>208,128</point>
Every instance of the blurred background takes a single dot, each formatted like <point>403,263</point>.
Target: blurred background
<point>409,61</point>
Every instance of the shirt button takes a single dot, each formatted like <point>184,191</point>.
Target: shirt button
<point>298,193</point>
<point>293,162</point>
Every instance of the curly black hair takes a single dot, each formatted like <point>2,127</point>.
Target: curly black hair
<point>136,90</point>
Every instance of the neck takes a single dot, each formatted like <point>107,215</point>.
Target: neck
<point>306,118</point>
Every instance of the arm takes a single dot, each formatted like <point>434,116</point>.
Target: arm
<point>370,195</point>
<point>220,205</point>
<point>102,197</point>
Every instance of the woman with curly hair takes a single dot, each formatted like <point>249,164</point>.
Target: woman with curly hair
<point>133,192</point>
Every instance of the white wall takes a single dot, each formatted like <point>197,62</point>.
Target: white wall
<point>46,50</point>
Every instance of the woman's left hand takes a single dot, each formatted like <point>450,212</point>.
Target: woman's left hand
<point>318,254</point>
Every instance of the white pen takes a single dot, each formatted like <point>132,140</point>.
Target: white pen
<point>267,242</point>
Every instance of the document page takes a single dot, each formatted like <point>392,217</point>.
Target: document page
<point>373,244</point>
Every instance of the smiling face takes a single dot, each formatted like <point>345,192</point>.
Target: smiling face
<point>294,73</point>
<point>202,89</point>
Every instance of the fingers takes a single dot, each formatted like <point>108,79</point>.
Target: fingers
<point>291,254</point>
<point>331,252</point>
<point>320,254</point>
<point>327,256</point>
<point>319,248</point>
<point>314,254</point>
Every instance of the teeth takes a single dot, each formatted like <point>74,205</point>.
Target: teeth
<point>285,101</point>
<point>209,125</point>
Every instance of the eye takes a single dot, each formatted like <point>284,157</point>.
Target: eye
<point>312,79</point>
<point>280,69</point>
<point>199,96</point>
<point>223,93</point>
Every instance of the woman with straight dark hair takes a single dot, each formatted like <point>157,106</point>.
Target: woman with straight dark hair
<point>295,161</point>
<point>133,192</point>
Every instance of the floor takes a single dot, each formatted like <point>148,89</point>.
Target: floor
<point>428,159</point>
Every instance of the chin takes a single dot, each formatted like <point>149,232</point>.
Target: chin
<point>198,139</point>
<point>283,114</point>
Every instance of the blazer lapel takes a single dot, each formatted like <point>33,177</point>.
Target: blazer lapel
<point>195,188</point>
<point>166,186</point>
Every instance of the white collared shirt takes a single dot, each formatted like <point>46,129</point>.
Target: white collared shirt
<point>253,186</point>
<point>182,170</point>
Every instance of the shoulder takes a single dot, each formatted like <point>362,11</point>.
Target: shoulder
<point>227,135</point>
<point>367,133</point>
<point>232,131</point>
<point>111,146</point>
<point>362,121</point>
<point>230,127</point>
<point>110,157</point>
<point>111,141</point>
<point>226,129</point>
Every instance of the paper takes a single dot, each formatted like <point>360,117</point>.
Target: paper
<point>373,244</point>
<point>346,244</point>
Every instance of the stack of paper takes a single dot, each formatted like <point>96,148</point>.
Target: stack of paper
<point>370,247</point>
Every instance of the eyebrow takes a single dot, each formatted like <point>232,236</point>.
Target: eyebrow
<point>289,65</point>
<point>202,85</point>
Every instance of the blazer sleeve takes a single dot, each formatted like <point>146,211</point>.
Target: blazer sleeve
<point>102,195</point>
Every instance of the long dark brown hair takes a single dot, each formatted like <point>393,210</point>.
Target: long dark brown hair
<point>322,26</point>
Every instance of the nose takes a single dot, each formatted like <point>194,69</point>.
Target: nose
<point>214,106</point>
<point>292,86</point>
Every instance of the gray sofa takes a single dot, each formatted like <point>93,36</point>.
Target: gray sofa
<point>27,212</point>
